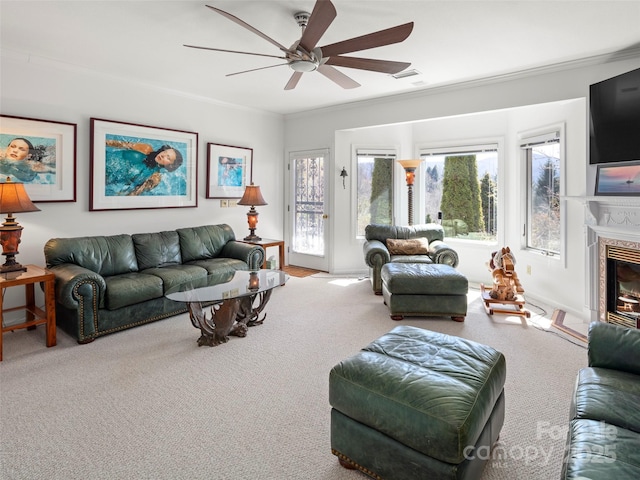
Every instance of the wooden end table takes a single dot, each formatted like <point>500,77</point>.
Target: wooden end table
<point>34,315</point>
<point>266,243</point>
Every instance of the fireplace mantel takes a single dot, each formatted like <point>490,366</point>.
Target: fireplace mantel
<point>612,214</point>
<point>606,219</point>
<point>608,199</point>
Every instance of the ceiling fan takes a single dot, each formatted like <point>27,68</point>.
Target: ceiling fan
<point>303,56</point>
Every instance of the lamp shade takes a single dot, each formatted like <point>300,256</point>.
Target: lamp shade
<point>410,163</point>
<point>14,198</point>
<point>252,196</point>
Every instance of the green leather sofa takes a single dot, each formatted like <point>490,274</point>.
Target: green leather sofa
<point>603,441</point>
<point>376,251</point>
<point>105,284</point>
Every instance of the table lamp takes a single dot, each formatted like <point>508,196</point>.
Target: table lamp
<point>13,199</point>
<point>252,197</point>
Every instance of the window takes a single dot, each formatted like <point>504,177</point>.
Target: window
<point>375,187</point>
<point>461,190</point>
<point>542,219</point>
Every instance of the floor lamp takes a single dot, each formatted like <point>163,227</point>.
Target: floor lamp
<point>410,172</point>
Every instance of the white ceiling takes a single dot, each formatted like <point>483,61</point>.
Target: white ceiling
<point>452,41</point>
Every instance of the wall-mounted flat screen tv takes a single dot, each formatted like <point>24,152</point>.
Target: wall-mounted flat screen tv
<point>614,130</point>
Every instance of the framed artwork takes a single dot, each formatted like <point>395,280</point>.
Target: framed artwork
<point>42,155</point>
<point>622,179</point>
<point>229,170</point>
<point>137,166</point>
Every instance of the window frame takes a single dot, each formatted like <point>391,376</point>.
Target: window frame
<point>527,140</point>
<point>468,146</point>
<point>382,151</point>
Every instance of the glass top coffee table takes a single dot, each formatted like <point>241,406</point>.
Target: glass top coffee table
<point>236,300</point>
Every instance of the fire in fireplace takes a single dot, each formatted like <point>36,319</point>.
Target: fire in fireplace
<point>623,286</point>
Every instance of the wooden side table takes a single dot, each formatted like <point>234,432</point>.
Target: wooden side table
<point>34,315</point>
<point>266,243</point>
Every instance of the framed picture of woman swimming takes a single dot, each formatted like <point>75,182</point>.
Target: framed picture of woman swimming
<point>42,155</point>
<point>137,166</point>
<point>229,170</point>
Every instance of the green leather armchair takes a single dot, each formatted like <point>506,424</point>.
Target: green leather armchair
<point>376,252</point>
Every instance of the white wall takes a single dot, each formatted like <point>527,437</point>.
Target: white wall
<point>54,92</point>
<point>67,94</point>
<point>500,109</point>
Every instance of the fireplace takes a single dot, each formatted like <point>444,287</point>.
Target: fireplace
<point>620,282</point>
<point>612,227</point>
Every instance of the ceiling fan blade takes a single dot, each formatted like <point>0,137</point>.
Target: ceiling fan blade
<point>376,39</point>
<point>338,77</point>
<point>235,51</point>
<point>244,24</point>
<point>321,17</point>
<point>293,81</point>
<point>255,69</point>
<point>382,66</point>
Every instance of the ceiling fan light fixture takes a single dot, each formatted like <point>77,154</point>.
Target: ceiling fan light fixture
<point>304,56</point>
<point>303,65</point>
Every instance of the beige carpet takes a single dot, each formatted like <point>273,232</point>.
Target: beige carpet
<point>558,319</point>
<point>148,403</point>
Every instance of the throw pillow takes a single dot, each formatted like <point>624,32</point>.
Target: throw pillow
<point>412,246</point>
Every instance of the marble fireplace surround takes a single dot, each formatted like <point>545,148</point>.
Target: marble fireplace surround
<point>608,221</point>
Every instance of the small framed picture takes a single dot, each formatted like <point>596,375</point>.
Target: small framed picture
<point>42,155</point>
<point>138,166</point>
<point>621,179</point>
<point>229,170</point>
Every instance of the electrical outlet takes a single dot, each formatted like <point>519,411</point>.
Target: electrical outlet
<point>224,203</point>
<point>528,269</point>
<point>233,203</point>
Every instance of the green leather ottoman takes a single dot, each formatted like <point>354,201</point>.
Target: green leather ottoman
<point>421,289</point>
<point>417,404</point>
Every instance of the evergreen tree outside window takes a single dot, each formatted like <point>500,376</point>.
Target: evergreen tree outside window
<point>461,192</point>
<point>488,194</point>
<point>462,184</point>
<point>543,212</point>
<point>375,188</point>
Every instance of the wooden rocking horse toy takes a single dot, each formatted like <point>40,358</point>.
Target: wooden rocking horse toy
<point>506,287</point>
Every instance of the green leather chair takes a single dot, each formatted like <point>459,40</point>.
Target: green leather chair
<point>377,254</point>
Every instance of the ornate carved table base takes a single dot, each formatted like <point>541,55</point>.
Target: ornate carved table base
<point>232,317</point>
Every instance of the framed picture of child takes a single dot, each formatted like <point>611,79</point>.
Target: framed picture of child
<point>229,170</point>
<point>42,155</point>
<point>137,166</point>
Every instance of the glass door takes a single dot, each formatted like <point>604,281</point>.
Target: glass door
<point>307,210</point>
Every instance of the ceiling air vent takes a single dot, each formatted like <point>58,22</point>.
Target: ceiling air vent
<point>405,74</point>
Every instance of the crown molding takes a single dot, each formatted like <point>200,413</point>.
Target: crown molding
<point>602,59</point>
